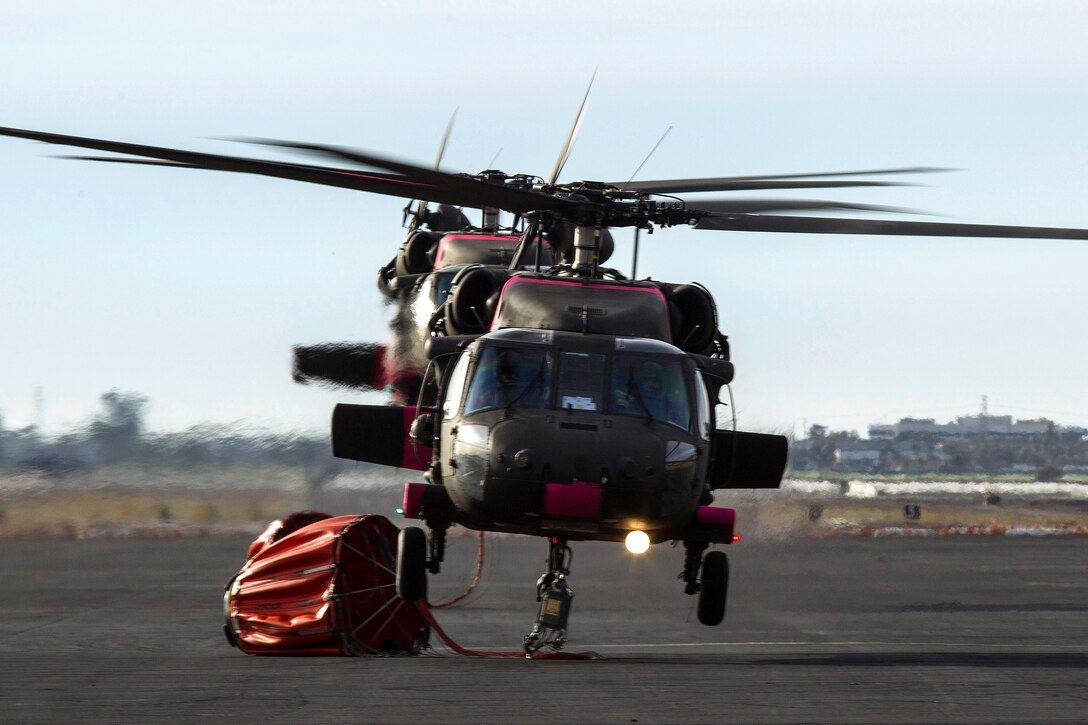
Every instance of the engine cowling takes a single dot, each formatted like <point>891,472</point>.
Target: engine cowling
<point>473,295</point>
<point>693,317</point>
<point>416,254</point>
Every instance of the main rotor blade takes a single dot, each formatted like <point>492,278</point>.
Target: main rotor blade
<point>568,145</point>
<point>122,160</point>
<point>865,172</point>
<point>373,182</point>
<point>472,191</point>
<point>445,140</point>
<point>823,225</point>
<point>737,206</point>
<point>680,186</point>
<point>731,183</point>
<point>421,207</point>
<point>659,142</point>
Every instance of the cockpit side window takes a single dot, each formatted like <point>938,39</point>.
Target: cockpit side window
<point>702,401</point>
<point>456,386</point>
<point>442,281</point>
<point>509,376</point>
<point>581,381</point>
<point>650,387</point>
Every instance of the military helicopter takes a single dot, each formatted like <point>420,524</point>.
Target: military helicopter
<point>562,399</point>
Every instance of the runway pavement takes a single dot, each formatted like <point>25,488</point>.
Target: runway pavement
<point>859,630</point>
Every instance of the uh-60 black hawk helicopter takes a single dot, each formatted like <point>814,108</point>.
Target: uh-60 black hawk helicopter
<point>562,399</point>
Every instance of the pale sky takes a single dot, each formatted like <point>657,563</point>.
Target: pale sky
<point>190,287</point>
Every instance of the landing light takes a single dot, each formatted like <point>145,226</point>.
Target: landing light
<point>637,542</point>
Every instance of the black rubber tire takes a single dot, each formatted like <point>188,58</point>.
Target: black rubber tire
<point>412,564</point>
<point>714,586</point>
<point>228,625</point>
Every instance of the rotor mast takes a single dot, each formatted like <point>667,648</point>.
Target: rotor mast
<point>587,244</point>
<point>490,221</point>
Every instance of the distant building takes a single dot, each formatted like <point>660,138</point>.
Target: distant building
<point>973,425</point>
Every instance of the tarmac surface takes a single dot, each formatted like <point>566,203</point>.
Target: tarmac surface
<point>818,630</point>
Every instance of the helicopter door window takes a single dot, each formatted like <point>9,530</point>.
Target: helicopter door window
<point>651,388</point>
<point>456,386</point>
<point>702,401</point>
<point>581,381</point>
<point>520,377</point>
<point>442,281</point>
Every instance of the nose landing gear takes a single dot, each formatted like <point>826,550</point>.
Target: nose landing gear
<point>555,597</point>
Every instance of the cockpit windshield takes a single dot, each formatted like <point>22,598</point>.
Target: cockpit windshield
<point>581,381</point>
<point>653,388</point>
<point>508,376</point>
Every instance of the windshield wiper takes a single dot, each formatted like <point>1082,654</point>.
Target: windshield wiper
<point>538,377</point>
<point>632,387</point>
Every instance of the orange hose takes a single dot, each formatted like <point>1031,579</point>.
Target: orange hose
<point>475,579</point>
<point>429,616</point>
<point>464,651</point>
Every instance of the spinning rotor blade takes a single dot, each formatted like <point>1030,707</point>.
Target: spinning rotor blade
<point>679,186</point>
<point>445,140</point>
<point>421,207</point>
<point>866,172</point>
<point>737,183</point>
<point>342,364</point>
<point>469,190</point>
<point>373,182</point>
<point>568,145</point>
<point>436,186</point>
<point>740,206</point>
<point>882,227</point>
<point>121,160</point>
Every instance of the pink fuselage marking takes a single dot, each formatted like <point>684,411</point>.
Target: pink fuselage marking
<point>409,458</point>
<point>574,500</point>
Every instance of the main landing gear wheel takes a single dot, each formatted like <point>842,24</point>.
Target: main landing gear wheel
<point>714,586</point>
<point>412,564</point>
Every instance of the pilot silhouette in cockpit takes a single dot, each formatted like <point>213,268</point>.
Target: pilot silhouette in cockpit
<point>501,386</point>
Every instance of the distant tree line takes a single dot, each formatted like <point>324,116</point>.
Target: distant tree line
<point>117,434</point>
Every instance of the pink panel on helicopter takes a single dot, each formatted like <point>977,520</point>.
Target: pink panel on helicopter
<point>416,458</point>
<point>445,241</point>
<point>716,516</point>
<point>539,303</point>
<point>413,499</point>
<point>576,500</point>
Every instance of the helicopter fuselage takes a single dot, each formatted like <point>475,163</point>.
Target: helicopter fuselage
<point>581,436</point>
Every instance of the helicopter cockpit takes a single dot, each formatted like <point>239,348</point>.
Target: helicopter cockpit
<point>625,421</point>
<point>508,376</point>
<point>525,371</point>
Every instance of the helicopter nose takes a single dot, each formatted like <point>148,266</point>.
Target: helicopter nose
<point>559,451</point>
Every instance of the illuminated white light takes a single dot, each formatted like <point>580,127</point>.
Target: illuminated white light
<point>637,542</point>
